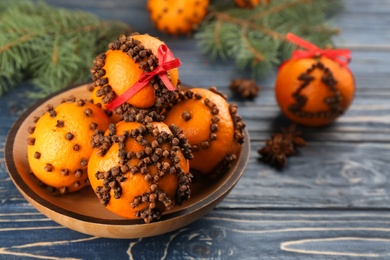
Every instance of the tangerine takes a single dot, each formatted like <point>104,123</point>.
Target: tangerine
<point>177,17</point>
<point>212,127</point>
<point>115,118</point>
<point>118,69</point>
<point>140,170</point>
<point>59,144</point>
<point>247,3</point>
<point>314,92</point>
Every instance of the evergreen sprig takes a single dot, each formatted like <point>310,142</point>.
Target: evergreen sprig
<point>52,47</point>
<point>255,38</point>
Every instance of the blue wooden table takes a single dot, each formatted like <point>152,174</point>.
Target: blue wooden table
<point>331,201</point>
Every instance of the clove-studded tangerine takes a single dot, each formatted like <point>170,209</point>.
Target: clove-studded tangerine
<point>59,143</point>
<point>139,170</point>
<point>248,3</point>
<point>97,100</point>
<point>177,16</point>
<point>121,66</point>
<point>212,126</point>
<point>314,91</point>
<point>315,86</point>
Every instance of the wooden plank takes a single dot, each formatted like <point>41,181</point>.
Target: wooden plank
<point>360,18</point>
<point>361,123</point>
<point>358,15</point>
<point>133,13</point>
<point>369,66</point>
<point>222,234</point>
<point>362,6</point>
<point>357,142</point>
<point>370,53</point>
<point>320,175</point>
<point>367,119</point>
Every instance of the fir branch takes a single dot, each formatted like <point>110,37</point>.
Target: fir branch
<point>22,39</point>
<point>255,38</point>
<point>257,56</point>
<point>279,8</point>
<point>52,47</point>
<point>224,17</point>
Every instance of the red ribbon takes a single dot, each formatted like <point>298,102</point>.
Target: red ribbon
<point>166,61</point>
<point>341,56</point>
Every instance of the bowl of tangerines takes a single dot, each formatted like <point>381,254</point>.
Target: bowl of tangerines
<point>133,154</point>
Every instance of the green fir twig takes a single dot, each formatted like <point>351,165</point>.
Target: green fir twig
<point>52,47</point>
<point>255,38</point>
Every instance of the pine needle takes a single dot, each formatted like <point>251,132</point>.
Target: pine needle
<point>52,47</point>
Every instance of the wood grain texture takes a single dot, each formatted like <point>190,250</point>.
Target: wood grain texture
<point>322,175</point>
<point>222,234</point>
<point>332,201</point>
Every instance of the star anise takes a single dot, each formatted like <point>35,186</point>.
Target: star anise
<point>245,88</point>
<point>281,145</point>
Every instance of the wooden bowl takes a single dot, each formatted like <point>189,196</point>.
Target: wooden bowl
<point>81,211</point>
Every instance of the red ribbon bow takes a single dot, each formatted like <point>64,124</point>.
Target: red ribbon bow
<point>166,61</point>
<point>341,56</point>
